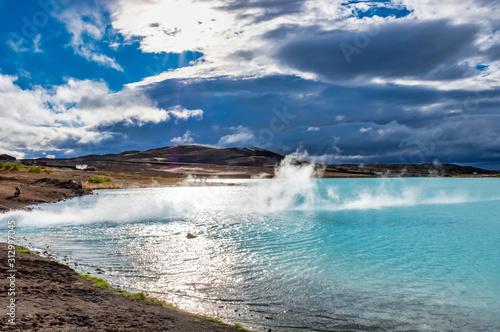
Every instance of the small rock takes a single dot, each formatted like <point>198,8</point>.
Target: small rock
<point>267,317</point>
<point>191,236</point>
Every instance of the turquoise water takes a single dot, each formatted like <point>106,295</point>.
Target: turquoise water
<point>295,254</point>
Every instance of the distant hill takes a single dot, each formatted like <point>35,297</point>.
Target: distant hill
<point>6,157</point>
<point>242,162</point>
<point>197,154</point>
<point>409,170</point>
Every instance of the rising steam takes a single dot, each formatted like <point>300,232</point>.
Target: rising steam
<point>293,188</point>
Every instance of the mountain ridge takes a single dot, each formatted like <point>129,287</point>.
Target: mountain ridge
<point>207,160</point>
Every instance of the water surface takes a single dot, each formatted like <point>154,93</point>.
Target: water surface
<point>294,253</point>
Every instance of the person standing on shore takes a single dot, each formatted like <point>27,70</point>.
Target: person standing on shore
<point>17,192</point>
<point>80,185</point>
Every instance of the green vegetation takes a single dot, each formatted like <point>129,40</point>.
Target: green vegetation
<point>39,169</point>
<point>35,169</point>
<point>101,283</point>
<point>240,327</point>
<point>7,166</point>
<point>97,281</point>
<point>23,249</point>
<point>211,319</point>
<point>143,297</point>
<point>99,179</point>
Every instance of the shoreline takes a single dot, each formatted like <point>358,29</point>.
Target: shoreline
<point>48,300</point>
<point>54,297</point>
<point>50,296</point>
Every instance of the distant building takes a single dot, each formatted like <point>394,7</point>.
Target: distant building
<point>6,157</point>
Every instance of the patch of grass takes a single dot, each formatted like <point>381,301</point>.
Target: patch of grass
<point>240,327</point>
<point>23,249</point>
<point>138,296</point>
<point>8,166</point>
<point>96,281</point>
<point>99,179</point>
<point>211,319</point>
<point>40,169</point>
<point>35,169</point>
<point>48,170</point>
<point>143,297</point>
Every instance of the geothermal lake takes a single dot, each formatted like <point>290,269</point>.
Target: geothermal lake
<point>294,253</point>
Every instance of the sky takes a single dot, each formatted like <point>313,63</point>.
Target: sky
<point>402,81</point>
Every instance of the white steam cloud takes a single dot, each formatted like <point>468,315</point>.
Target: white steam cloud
<point>293,189</point>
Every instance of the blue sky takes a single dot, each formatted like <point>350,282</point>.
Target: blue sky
<point>400,81</point>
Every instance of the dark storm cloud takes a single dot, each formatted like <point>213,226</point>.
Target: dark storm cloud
<point>409,49</point>
<point>378,123</point>
<point>493,53</point>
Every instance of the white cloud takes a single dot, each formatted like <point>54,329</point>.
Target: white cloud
<point>241,136</point>
<point>234,36</point>
<point>182,113</point>
<point>385,131</point>
<point>313,129</point>
<point>172,26</point>
<point>230,35</point>
<point>17,154</point>
<point>464,11</point>
<point>86,26</point>
<point>184,139</point>
<point>68,116</point>
<point>231,40</point>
